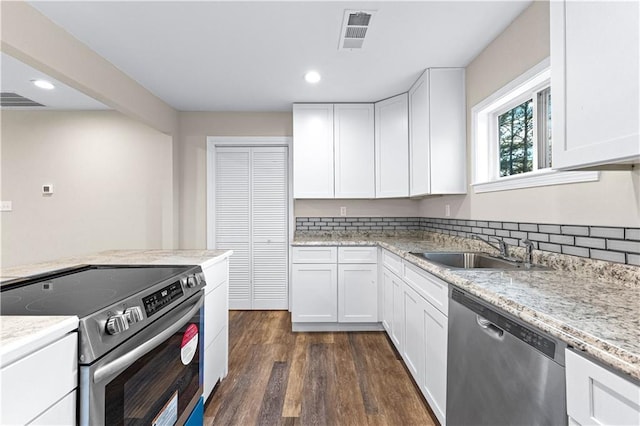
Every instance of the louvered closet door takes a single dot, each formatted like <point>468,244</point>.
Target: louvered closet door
<point>260,279</point>
<point>233,220</point>
<point>269,220</point>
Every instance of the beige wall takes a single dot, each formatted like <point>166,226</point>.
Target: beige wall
<point>358,208</point>
<point>194,127</point>
<point>614,200</point>
<point>112,179</point>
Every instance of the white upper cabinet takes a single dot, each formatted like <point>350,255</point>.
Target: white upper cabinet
<point>313,151</point>
<point>333,151</point>
<point>594,80</point>
<point>437,133</point>
<point>392,147</point>
<point>354,151</point>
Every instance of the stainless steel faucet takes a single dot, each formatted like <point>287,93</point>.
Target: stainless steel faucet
<point>502,246</point>
<point>528,258</point>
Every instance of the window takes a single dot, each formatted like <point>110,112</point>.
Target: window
<point>512,136</point>
<point>524,135</point>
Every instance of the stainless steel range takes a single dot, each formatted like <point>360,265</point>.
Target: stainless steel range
<point>140,337</point>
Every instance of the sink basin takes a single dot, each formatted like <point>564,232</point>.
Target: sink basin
<point>473,260</point>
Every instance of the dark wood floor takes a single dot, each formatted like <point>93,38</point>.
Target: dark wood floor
<point>277,377</point>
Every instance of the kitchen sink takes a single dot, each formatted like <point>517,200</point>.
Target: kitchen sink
<point>474,260</point>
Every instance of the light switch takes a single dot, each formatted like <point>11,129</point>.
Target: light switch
<point>5,206</point>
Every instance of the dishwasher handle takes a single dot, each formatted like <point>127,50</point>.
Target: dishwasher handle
<point>490,328</point>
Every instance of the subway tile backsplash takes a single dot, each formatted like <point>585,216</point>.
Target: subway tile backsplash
<point>615,244</point>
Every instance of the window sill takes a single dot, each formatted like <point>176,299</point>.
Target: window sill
<point>535,179</point>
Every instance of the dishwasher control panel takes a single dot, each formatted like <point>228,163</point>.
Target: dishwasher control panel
<point>527,335</point>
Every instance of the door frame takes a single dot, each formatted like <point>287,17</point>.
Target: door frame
<point>247,142</point>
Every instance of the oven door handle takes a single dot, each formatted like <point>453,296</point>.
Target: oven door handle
<point>130,357</point>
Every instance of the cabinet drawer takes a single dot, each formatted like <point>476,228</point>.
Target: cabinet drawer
<point>36,382</point>
<point>431,288</point>
<point>595,395</point>
<point>357,255</point>
<point>315,255</point>
<point>216,274</point>
<point>392,262</point>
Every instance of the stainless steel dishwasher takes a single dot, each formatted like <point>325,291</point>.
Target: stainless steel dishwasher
<point>501,371</point>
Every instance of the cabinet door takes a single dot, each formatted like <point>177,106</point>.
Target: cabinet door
<point>313,151</point>
<point>419,116</point>
<point>387,300</point>
<point>392,147</point>
<point>357,293</point>
<point>315,293</point>
<point>434,379</point>
<point>354,151</point>
<point>413,353</point>
<point>596,396</point>
<point>397,324</point>
<point>447,134</point>
<point>594,76</point>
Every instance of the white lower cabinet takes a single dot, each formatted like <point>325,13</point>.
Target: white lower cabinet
<point>597,396</point>
<point>334,285</point>
<point>357,293</point>
<point>315,292</point>
<point>413,328</point>
<point>38,387</point>
<point>387,278</point>
<point>433,374</point>
<point>414,315</point>
<point>216,326</point>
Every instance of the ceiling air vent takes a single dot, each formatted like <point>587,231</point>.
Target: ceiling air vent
<point>354,28</point>
<point>9,99</point>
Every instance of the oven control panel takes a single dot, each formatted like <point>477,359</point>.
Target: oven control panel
<point>157,301</point>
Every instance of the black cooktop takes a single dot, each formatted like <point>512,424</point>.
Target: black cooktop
<point>80,291</point>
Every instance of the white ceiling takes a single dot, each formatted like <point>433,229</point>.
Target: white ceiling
<point>251,56</point>
<point>16,78</point>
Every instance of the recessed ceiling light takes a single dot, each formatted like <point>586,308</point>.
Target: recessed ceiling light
<point>312,77</point>
<point>43,84</point>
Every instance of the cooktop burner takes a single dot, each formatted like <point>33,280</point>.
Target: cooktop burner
<point>80,291</point>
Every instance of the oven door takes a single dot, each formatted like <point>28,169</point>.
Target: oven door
<point>153,378</point>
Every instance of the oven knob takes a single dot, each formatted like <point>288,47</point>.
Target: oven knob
<point>184,281</point>
<point>191,281</point>
<point>133,314</point>
<point>200,278</point>
<point>117,324</point>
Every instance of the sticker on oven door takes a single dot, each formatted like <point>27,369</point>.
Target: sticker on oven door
<point>168,416</point>
<point>189,344</point>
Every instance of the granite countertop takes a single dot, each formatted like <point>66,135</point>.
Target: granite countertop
<point>21,334</point>
<point>119,257</point>
<point>595,309</point>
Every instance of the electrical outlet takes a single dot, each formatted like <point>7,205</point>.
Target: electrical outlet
<point>343,211</point>
<point>5,206</point>
<point>447,210</point>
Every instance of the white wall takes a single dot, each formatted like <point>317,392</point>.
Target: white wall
<point>112,179</point>
<point>614,200</point>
